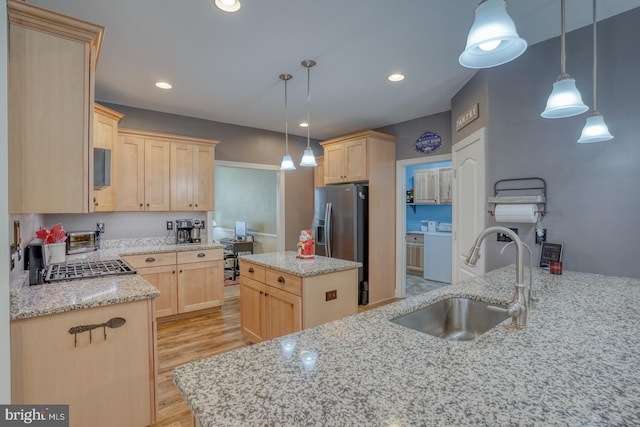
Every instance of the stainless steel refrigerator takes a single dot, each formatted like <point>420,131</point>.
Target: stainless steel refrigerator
<point>341,227</point>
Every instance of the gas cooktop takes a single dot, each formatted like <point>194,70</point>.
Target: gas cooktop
<point>87,270</point>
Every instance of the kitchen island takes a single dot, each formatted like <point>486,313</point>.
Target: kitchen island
<point>574,364</point>
<point>281,294</point>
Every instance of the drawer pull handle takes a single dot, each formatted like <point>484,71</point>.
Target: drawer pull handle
<point>201,255</point>
<point>281,279</point>
<point>251,270</point>
<point>150,259</point>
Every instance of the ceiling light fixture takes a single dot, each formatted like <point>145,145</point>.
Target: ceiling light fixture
<point>565,99</point>
<point>163,85</point>
<point>595,130</point>
<point>287,161</point>
<point>228,5</point>
<point>493,39</point>
<point>308,159</point>
<point>395,77</point>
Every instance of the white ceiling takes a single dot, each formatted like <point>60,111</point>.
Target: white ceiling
<point>224,67</point>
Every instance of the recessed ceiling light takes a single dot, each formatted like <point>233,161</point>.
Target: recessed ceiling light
<point>163,85</point>
<point>304,125</point>
<point>228,5</point>
<point>395,77</point>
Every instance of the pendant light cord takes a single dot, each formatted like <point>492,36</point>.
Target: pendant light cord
<point>562,47</point>
<point>286,121</point>
<point>595,59</point>
<point>308,105</point>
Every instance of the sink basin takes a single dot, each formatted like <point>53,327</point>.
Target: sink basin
<point>457,319</point>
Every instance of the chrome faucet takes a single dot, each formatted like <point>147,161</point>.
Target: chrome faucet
<point>533,295</point>
<point>518,307</point>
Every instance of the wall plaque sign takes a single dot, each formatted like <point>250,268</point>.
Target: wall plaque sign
<point>467,117</point>
<point>428,142</point>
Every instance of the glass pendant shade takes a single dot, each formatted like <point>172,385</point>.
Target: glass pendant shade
<point>565,99</point>
<point>308,159</point>
<point>595,130</point>
<point>287,163</point>
<point>228,5</point>
<point>493,39</point>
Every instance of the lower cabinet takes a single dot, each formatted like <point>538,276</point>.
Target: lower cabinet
<point>415,253</point>
<point>187,281</point>
<point>106,376</point>
<point>274,303</point>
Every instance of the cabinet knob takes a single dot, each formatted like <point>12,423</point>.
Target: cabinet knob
<point>150,259</point>
<point>281,279</point>
<point>261,293</point>
<point>190,205</point>
<point>251,270</point>
<point>147,204</point>
<point>201,255</point>
<point>141,205</point>
<point>180,271</point>
<point>173,272</point>
<point>196,205</point>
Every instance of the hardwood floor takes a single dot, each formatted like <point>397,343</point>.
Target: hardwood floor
<point>195,338</point>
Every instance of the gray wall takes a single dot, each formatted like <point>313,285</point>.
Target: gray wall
<point>593,190</point>
<point>237,144</point>
<point>407,133</point>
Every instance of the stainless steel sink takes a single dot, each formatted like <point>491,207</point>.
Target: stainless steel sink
<point>457,319</point>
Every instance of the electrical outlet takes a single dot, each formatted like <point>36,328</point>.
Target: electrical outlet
<point>543,238</point>
<point>331,295</point>
<point>169,225</point>
<point>504,238</point>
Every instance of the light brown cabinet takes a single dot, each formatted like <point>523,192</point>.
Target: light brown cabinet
<point>105,135</point>
<point>415,253</point>
<point>346,161</point>
<point>106,380</point>
<point>164,172</point>
<point>51,69</point>
<point>188,281</point>
<point>370,157</point>
<point>432,186</point>
<point>318,173</point>
<point>274,303</point>
<point>192,174</point>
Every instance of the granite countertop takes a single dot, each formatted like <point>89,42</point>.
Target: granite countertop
<point>576,363</point>
<point>50,298</point>
<point>288,263</point>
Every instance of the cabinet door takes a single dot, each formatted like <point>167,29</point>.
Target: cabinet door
<point>182,169</point>
<point>156,174</point>
<point>355,160</point>
<point>105,135</point>
<point>283,312</point>
<point>165,279</point>
<point>105,381</point>
<point>334,170</point>
<point>252,309</point>
<point>50,112</point>
<point>415,258</point>
<point>318,173</point>
<point>444,185</point>
<point>203,178</point>
<point>200,286</point>
<point>424,182</point>
<point>130,173</point>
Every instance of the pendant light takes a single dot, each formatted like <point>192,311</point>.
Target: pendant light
<point>287,161</point>
<point>565,99</point>
<point>595,130</point>
<point>308,159</point>
<point>228,5</point>
<point>493,39</point>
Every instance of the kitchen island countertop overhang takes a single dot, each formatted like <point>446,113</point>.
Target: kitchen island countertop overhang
<point>575,363</point>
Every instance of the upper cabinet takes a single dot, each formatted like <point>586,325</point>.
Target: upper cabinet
<point>105,136</point>
<point>318,172</point>
<point>52,63</point>
<point>163,172</point>
<point>345,161</point>
<point>432,186</point>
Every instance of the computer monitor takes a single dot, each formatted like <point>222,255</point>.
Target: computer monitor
<point>241,230</point>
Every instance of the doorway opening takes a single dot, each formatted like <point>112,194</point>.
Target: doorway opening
<point>408,218</point>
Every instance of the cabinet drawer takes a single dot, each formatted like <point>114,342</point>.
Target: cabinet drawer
<point>151,260</point>
<point>252,271</point>
<point>415,238</point>
<point>284,281</point>
<point>199,256</point>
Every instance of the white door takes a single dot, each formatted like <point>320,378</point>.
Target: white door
<point>469,202</point>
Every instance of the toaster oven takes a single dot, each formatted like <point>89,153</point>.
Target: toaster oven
<point>82,241</point>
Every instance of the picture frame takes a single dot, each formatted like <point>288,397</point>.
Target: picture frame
<point>550,252</point>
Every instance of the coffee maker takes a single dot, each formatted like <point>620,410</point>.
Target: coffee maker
<point>188,231</point>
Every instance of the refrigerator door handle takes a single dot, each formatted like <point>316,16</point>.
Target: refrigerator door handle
<point>327,228</point>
